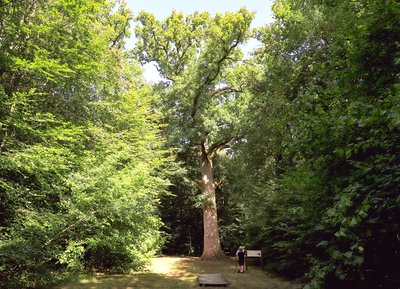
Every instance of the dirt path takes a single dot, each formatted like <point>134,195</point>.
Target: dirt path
<point>181,273</point>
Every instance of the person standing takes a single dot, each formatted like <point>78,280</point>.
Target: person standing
<point>240,256</point>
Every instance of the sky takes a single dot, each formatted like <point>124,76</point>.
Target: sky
<point>163,8</point>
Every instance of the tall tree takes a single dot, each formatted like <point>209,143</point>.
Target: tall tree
<point>323,143</point>
<point>80,157</point>
<point>203,99</point>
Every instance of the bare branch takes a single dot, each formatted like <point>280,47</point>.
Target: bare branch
<point>222,143</point>
<point>218,92</point>
<point>219,182</point>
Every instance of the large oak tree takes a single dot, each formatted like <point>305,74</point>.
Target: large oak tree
<point>198,58</point>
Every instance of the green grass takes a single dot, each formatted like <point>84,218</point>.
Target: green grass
<point>181,273</point>
<point>136,281</point>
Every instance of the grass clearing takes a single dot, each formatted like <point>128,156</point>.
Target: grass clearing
<point>181,273</point>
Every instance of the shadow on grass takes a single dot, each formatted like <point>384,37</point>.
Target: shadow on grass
<point>254,278</point>
<point>132,281</point>
<point>182,273</point>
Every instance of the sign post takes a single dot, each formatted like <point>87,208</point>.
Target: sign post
<point>254,254</point>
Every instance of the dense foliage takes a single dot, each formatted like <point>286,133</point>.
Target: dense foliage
<point>80,156</point>
<point>301,141</point>
<point>320,168</point>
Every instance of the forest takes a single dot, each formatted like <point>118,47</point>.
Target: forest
<point>294,151</point>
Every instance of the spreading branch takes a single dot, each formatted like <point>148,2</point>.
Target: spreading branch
<point>213,75</point>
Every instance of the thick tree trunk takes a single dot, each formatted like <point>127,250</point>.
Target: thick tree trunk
<point>212,246</point>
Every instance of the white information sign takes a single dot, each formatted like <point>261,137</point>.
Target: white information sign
<point>253,253</point>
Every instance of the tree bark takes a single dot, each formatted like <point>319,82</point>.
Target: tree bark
<point>211,246</point>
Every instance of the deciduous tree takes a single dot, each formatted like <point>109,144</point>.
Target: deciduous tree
<point>80,154</point>
<point>203,98</point>
<point>323,143</point>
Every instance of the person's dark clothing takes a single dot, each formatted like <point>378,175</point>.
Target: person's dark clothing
<point>240,258</point>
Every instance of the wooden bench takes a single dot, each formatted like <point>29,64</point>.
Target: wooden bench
<point>213,280</point>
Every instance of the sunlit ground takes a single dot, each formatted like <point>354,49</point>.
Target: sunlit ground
<point>181,273</point>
